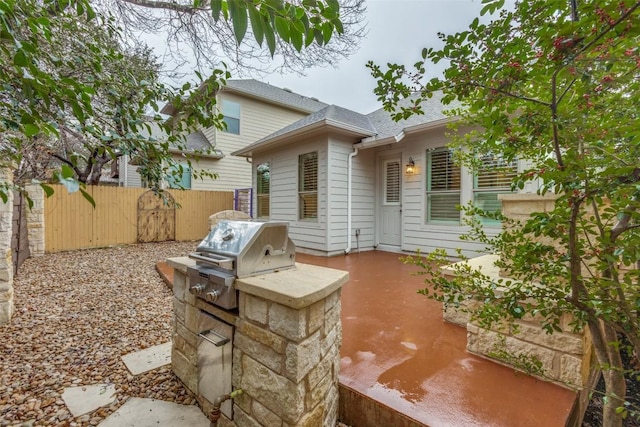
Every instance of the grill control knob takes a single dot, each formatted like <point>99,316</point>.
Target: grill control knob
<point>197,289</point>
<point>212,296</point>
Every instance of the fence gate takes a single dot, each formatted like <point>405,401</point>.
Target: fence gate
<point>19,232</point>
<point>156,217</point>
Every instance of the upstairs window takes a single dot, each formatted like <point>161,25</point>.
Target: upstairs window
<point>179,176</point>
<point>231,112</point>
<point>263,190</point>
<point>308,186</point>
<point>494,177</point>
<point>443,187</point>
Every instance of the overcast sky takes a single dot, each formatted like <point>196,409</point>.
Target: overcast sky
<point>398,30</point>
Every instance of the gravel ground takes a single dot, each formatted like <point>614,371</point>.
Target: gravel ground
<point>76,314</point>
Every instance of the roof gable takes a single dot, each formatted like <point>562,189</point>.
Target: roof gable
<point>374,128</point>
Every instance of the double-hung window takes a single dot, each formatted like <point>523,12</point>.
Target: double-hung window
<point>263,188</point>
<point>443,187</point>
<point>308,186</point>
<point>231,112</point>
<point>492,178</point>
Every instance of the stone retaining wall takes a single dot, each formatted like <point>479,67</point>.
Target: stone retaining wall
<point>565,356</point>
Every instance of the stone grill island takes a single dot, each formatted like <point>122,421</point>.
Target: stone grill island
<point>281,347</point>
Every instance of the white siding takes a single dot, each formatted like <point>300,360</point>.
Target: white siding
<point>362,197</point>
<point>257,120</point>
<point>284,192</point>
<point>128,175</point>
<point>416,233</point>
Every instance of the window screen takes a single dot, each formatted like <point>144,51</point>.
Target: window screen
<point>308,185</point>
<point>443,187</point>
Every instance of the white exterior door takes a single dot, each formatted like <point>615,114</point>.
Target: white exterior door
<point>390,219</point>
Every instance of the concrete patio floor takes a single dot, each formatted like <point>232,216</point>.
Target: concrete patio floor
<point>398,351</point>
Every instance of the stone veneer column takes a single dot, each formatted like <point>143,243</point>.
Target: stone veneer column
<point>35,220</point>
<point>6,264</point>
<point>286,348</point>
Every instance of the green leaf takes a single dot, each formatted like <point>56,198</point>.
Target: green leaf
<point>31,130</point>
<point>48,191</point>
<point>282,27</point>
<point>216,8</point>
<point>88,197</point>
<point>66,171</point>
<point>239,17</point>
<point>296,40</point>
<point>271,39</point>
<point>20,59</point>
<point>257,24</point>
<point>327,31</point>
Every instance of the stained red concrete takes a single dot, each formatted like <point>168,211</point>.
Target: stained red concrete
<point>166,273</point>
<point>397,350</point>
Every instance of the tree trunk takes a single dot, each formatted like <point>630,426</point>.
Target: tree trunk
<point>608,354</point>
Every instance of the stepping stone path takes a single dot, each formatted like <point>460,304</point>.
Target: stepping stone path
<point>136,412</point>
<point>84,399</point>
<point>148,359</point>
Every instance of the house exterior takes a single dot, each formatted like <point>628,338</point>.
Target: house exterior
<point>347,181</point>
<point>252,110</point>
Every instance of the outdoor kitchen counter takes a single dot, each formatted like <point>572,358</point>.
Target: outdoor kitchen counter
<point>284,287</point>
<point>297,287</point>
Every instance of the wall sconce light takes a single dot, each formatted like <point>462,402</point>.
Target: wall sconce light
<point>411,167</point>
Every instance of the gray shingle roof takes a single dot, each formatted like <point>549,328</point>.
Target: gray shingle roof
<point>375,126</point>
<point>433,111</point>
<point>274,94</point>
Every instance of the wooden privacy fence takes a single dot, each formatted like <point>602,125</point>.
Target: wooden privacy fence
<point>71,222</point>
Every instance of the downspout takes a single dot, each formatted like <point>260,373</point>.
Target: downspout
<point>349,173</point>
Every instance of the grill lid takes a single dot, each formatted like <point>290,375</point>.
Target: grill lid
<point>257,247</point>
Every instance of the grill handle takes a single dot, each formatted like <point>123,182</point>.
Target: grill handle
<point>223,262</point>
<point>219,342</point>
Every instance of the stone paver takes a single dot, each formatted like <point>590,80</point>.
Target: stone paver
<point>84,399</point>
<point>148,359</point>
<point>138,412</point>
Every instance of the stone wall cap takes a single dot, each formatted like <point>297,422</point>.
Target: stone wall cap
<point>484,263</point>
<point>181,263</point>
<point>296,288</point>
<point>526,197</point>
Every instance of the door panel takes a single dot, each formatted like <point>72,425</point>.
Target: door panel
<point>391,197</point>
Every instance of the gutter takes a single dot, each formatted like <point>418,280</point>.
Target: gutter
<point>349,185</point>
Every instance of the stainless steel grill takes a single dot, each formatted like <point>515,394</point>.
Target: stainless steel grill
<point>237,249</point>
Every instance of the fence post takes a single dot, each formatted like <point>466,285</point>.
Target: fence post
<point>6,264</point>
<point>35,220</point>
